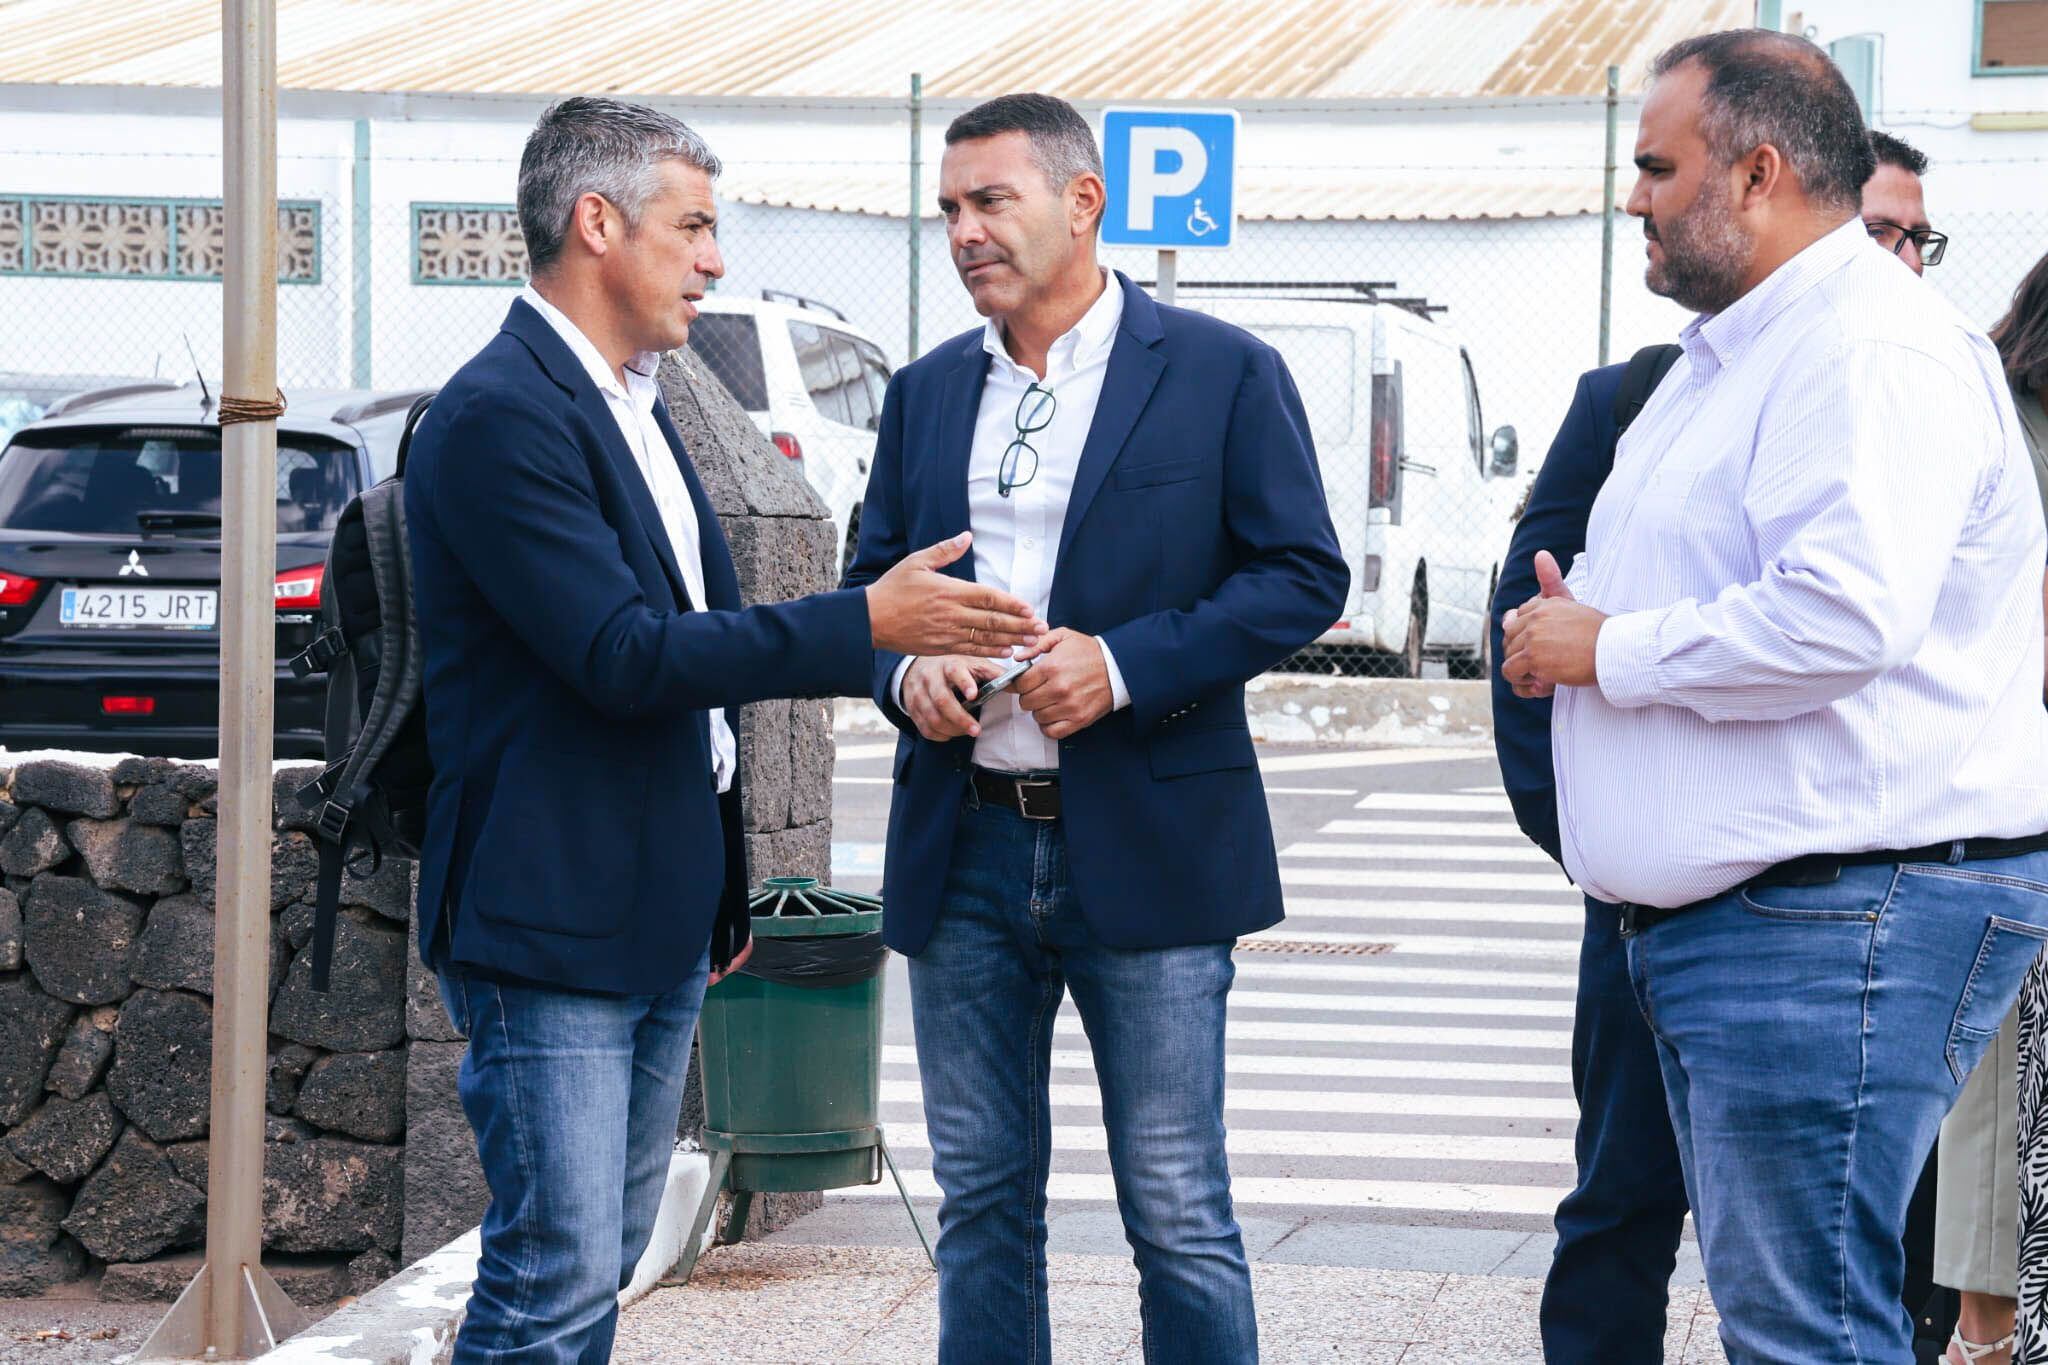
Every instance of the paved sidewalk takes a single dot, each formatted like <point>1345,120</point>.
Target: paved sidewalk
<point>769,1304</point>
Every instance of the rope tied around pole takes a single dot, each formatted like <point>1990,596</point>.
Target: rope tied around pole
<point>233,410</point>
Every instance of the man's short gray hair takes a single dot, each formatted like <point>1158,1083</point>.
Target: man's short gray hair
<point>1062,144</point>
<point>592,145</point>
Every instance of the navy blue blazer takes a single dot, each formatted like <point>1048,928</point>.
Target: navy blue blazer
<point>1198,545</point>
<point>574,835</point>
<point>1555,520</point>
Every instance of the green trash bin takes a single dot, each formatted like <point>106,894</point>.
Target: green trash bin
<point>790,1047</point>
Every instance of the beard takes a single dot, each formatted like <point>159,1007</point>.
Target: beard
<point>1706,254</point>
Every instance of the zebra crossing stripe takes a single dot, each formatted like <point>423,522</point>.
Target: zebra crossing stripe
<point>1248,1191</point>
<point>1421,879</point>
<point>1446,803</point>
<point>1251,1065</point>
<point>1368,972</point>
<point>1418,853</point>
<point>1370,1003</point>
<point>1448,913</point>
<point>911,1140</point>
<point>1504,830</point>
<point>1242,1101</point>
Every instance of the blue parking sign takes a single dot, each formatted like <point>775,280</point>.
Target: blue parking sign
<point>1171,177</point>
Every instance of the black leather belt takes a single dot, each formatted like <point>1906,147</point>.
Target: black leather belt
<point>1819,869</point>
<point>1033,797</point>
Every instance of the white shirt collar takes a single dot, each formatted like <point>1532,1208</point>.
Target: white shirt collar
<point>1080,344</point>
<point>639,387</point>
<point>1728,333</point>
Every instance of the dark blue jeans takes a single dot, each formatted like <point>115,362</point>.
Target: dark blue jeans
<point>1812,1039</point>
<point>1009,943</point>
<point>1618,1230</point>
<point>574,1099</point>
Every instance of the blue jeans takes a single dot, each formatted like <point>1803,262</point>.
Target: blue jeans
<point>1812,1039</point>
<point>574,1099</point>
<point>1010,941</point>
<point>1618,1230</point>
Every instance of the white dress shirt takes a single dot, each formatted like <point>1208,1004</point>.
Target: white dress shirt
<point>1017,538</point>
<point>1821,550</point>
<point>632,407</point>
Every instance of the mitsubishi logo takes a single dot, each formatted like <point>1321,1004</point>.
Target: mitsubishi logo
<point>134,565</point>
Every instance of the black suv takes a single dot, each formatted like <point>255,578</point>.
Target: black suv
<point>110,548</point>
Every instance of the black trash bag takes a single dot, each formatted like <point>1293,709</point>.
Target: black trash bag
<point>817,962</point>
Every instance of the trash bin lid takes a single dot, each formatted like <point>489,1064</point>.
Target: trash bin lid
<point>795,907</point>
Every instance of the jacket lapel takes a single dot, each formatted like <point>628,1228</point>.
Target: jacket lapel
<point>959,405</point>
<point>1135,364</point>
<point>563,367</point>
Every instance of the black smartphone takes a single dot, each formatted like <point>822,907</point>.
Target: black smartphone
<point>1001,682</point>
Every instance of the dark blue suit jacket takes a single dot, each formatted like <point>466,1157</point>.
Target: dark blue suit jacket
<point>1555,520</point>
<point>574,836</point>
<point>1197,544</point>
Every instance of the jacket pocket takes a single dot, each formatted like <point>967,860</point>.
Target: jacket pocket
<point>1165,471</point>
<point>1181,753</point>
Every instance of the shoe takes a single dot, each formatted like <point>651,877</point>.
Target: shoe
<point>1962,1352</point>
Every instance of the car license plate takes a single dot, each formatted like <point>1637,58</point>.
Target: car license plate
<point>153,608</point>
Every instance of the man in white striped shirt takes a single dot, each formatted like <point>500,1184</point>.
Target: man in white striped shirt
<point>1798,734</point>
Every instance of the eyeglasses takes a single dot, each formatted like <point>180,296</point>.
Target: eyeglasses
<point>1034,414</point>
<point>1893,238</point>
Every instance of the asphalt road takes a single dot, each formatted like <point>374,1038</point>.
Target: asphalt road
<point>1399,1086</point>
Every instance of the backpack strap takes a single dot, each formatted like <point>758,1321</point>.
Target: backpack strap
<point>1646,369</point>
<point>412,420</point>
<point>392,699</point>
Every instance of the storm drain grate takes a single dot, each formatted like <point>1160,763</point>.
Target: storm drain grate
<point>1286,945</point>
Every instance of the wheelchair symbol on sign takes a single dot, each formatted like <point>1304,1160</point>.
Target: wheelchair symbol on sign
<point>1199,222</point>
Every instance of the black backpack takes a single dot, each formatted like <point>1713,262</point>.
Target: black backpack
<point>372,798</point>
<point>1646,370</point>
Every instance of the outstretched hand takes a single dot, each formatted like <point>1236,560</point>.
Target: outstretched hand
<point>915,609</point>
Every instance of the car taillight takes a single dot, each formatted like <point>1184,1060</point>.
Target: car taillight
<point>299,589</point>
<point>17,590</point>
<point>1386,440</point>
<point>128,706</point>
<point>787,443</point>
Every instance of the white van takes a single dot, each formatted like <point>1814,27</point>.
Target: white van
<point>811,380</point>
<point>1422,498</point>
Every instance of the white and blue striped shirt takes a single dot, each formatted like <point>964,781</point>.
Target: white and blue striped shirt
<point>1821,552</point>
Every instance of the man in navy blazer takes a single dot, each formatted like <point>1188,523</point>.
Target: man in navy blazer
<point>1618,1230</point>
<point>584,872</point>
<point>1144,476</point>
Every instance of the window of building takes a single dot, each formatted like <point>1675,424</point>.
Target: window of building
<point>2012,37</point>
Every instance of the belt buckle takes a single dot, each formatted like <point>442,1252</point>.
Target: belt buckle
<point>1025,787</point>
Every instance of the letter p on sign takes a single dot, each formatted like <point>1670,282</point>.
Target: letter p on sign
<point>1171,177</point>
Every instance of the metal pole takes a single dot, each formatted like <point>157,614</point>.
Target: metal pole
<point>359,265</point>
<point>916,202</point>
<point>1769,14</point>
<point>1607,213</point>
<point>233,1310</point>
<point>1164,291</point>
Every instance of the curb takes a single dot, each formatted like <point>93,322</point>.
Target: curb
<point>411,1318</point>
<point>1306,708</point>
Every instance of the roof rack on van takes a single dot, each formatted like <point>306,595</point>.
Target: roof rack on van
<point>78,402</point>
<point>785,296</point>
<point>382,405</point>
<point>1348,291</point>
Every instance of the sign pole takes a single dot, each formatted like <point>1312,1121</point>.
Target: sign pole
<point>1167,266</point>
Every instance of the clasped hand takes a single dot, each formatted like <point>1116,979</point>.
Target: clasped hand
<point>1551,640</point>
<point>1067,689</point>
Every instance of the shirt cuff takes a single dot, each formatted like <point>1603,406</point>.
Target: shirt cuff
<point>1625,658</point>
<point>1120,696</point>
<point>896,682</point>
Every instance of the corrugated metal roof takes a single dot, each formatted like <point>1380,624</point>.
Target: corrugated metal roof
<point>1295,194</point>
<point>1237,50</point>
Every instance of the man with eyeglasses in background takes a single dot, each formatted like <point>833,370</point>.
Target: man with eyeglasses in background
<point>1144,474</point>
<point>1894,213</point>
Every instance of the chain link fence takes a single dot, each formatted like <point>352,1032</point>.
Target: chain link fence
<point>1435,331</point>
